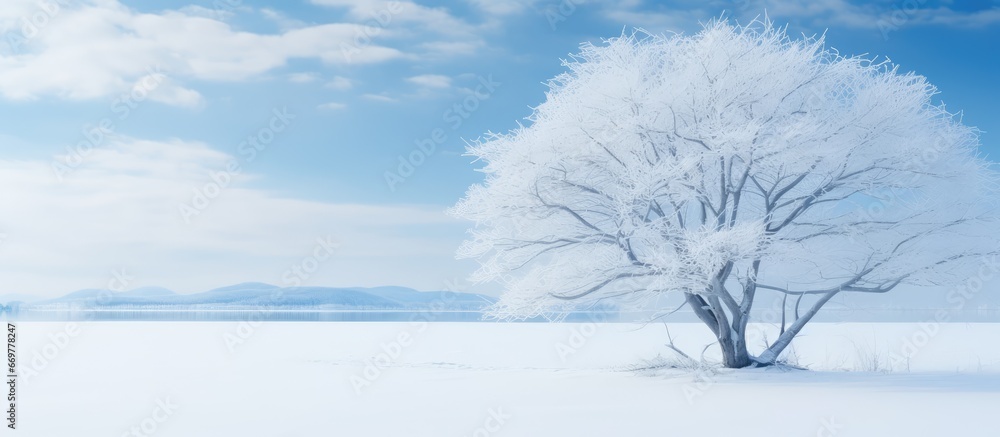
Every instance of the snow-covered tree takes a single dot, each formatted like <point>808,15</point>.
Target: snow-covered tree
<point>723,165</point>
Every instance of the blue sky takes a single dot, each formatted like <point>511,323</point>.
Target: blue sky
<point>357,84</point>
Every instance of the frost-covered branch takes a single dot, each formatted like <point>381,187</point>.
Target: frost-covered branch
<point>716,165</point>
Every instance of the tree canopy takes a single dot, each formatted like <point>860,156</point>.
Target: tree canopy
<point>721,164</point>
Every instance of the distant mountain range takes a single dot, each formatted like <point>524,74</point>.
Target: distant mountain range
<point>257,295</point>
<point>272,302</point>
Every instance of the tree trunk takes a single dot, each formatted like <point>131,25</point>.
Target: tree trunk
<point>732,342</point>
<point>734,353</point>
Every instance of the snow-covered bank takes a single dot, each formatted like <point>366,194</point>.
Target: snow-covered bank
<point>489,379</point>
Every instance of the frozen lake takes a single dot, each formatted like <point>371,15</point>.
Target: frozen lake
<point>494,379</point>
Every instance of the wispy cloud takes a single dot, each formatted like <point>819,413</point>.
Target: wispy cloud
<point>339,83</point>
<point>332,106</point>
<point>379,98</point>
<point>120,209</point>
<point>58,59</point>
<point>283,21</point>
<point>430,19</point>
<point>306,77</point>
<point>436,30</point>
<point>431,81</point>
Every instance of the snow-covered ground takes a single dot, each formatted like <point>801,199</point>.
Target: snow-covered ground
<point>487,379</point>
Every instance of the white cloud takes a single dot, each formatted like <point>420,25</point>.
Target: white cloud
<point>120,209</point>
<point>219,13</point>
<point>339,83</point>
<point>431,81</point>
<point>332,106</point>
<point>388,15</point>
<point>436,30</point>
<point>379,98</point>
<point>303,77</point>
<point>357,7</point>
<point>170,93</point>
<point>60,59</point>
<point>283,21</point>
